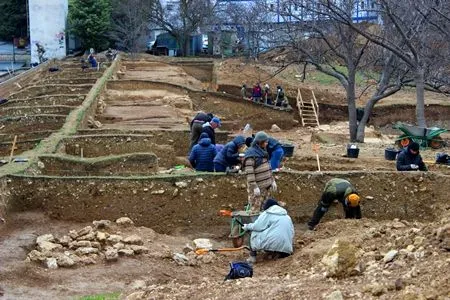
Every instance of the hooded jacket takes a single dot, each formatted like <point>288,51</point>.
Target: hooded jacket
<point>210,132</point>
<point>405,159</point>
<point>202,154</point>
<point>272,231</point>
<point>229,155</point>
<point>257,168</point>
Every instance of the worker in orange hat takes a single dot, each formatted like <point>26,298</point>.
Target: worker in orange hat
<point>342,191</point>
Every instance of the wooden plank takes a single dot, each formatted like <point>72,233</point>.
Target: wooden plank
<point>299,96</point>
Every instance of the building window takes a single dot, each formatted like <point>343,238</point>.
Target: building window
<point>169,7</point>
<point>373,4</point>
<point>362,5</point>
<point>272,6</point>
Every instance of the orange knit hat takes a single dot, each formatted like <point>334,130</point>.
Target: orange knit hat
<point>353,200</point>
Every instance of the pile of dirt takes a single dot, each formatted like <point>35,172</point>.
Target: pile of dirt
<point>344,259</point>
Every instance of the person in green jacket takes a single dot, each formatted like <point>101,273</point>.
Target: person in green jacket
<point>342,191</point>
<point>272,232</point>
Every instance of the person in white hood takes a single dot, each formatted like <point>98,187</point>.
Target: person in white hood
<point>273,232</point>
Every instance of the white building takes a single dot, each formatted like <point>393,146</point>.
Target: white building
<point>48,20</point>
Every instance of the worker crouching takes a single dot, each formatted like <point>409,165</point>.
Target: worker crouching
<point>272,232</point>
<point>342,191</point>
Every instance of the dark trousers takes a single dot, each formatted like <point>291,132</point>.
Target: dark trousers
<point>196,130</point>
<point>350,213</point>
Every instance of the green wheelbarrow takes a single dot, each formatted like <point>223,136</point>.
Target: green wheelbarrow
<point>239,236</point>
<point>425,137</point>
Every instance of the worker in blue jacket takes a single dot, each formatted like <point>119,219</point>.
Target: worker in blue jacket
<point>202,154</point>
<point>228,157</point>
<point>275,151</point>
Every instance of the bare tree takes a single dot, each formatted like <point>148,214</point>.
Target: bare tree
<point>130,24</point>
<point>408,33</point>
<point>182,18</point>
<point>337,50</point>
<point>254,22</point>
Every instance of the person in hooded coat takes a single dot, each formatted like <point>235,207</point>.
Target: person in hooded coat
<point>196,126</point>
<point>410,159</point>
<point>260,180</point>
<point>229,155</point>
<point>273,231</point>
<point>274,150</point>
<point>202,154</point>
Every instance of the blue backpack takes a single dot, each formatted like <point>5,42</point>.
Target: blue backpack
<point>239,270</point>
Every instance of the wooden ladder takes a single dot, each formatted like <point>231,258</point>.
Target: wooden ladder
<point>308,111</point>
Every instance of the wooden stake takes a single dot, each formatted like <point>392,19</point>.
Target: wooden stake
<point>318,161</point>
<point>81,152</point>
<point>316,148</point>
<point>12,148</point>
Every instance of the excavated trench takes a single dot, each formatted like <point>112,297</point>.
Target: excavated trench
<point>166,205</point>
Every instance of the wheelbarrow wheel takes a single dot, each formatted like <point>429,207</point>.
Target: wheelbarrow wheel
<point>436,143</point>
<point>403,143</point>
<point>237,241</point>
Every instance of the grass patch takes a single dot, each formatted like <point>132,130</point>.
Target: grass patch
<point>110,296</point>
<point>322,78</point>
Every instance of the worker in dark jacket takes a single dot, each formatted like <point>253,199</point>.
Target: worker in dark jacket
<point>202,154</point>
<point>228,157</point>
<point>209,129</point>
<point>410,160</point>
<point>196,126</point>
<point>342,191</point>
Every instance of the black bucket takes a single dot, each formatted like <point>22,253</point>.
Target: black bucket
<point>352,152</point>
<point>288,150</point>
<point>390,154</point>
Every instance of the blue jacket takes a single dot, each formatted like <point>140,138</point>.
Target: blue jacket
<point>229,155</point>
<point>272,145</point>
<point>202,155</point>
<point>272,231</point>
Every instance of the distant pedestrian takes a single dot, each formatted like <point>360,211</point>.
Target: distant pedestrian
<point>257,93</point>
<point>244,91</point>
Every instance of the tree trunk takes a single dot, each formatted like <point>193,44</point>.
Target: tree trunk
<point>420,97</point>
<point>351,102</point>
<point>362,124</point>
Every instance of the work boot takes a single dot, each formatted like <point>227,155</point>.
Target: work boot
<point>251,260</point>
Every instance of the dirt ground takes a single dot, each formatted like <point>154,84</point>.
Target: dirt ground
<point>155,97</point>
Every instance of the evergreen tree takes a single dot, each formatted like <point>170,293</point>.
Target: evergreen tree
<point>13,16</point>
<point>90,20</point>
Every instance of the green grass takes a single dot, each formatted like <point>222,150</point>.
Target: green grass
<point>325,79</point>
<point>110,296</point>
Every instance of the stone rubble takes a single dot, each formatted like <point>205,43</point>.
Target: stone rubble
<point>86,246</point>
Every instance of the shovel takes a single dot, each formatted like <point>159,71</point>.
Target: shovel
<point>202,251</point>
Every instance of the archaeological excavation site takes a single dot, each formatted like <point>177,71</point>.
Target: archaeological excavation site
<point>97,196</point>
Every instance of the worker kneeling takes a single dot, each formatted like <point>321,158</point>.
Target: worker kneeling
<point>342,191</point>
<point>272,232</point>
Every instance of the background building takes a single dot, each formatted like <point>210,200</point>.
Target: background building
<point>48,20</point>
